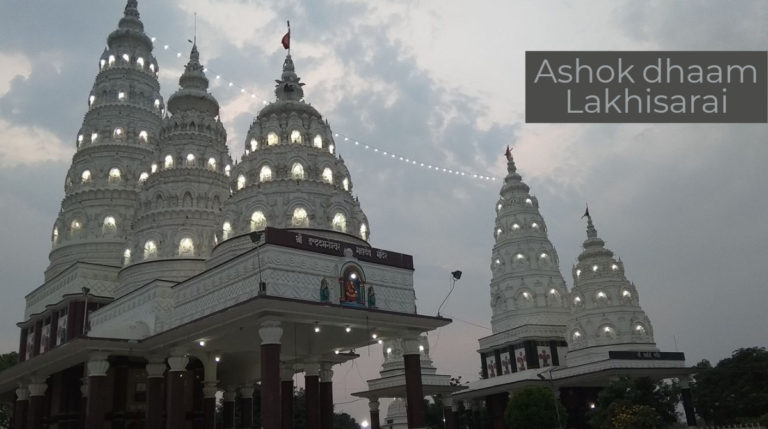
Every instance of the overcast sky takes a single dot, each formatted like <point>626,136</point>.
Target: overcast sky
<point>442,82</point>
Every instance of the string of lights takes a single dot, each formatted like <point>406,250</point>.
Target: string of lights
<point>342,136</point>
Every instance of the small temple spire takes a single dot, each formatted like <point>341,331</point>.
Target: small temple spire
<point>289,86</point>
<point>130,19</point>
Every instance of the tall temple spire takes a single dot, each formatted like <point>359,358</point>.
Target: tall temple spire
<point>115,145</point>
<point>192,150</point>
<point>606,313</point>
<point>526,287</point>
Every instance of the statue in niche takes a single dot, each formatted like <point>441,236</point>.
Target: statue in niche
<point>325,294</point>
<point>371,297</point>
<point>352,287</point>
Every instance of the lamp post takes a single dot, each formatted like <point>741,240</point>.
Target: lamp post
<point>255,238</point>
<point>456,275</point>
<point>86,291</point>
<point>554,396</point>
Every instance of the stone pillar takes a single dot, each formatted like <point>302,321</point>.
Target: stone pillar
<point>96,407</point>
<point>286,396</point>
<point>449,416</point>
<point>270,333</point>
<point>326,396</point>
<point>413,386</point>
<point>373,406</point>
<point>155,402</point>
<point>177,367</point>
<point>228,409</point>
<point>21,407</point>
<point>311,394</point>
<point>36,403</point>
<point>685,393</point>
<point>209,405</point>
<point>210,365</point>
<point>246,407</point>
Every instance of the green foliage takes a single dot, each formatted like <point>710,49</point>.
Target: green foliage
<point>734,391</point>
<point>433,413</point>
<point>533,408</point>
<point>342,421</point>
<point>635,417</point>
<point>639,402</point>
<point>7,360</point>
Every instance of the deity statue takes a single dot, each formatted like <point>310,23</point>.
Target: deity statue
<point>325,294</point>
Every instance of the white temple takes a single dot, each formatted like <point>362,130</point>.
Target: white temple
<point>574,342</point>
<point>176,274</point>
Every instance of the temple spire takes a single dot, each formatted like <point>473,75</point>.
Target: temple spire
<point>289,86</point>
<point>130,19</point>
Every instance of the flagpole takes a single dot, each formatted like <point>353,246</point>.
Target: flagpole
<point>289,37</point>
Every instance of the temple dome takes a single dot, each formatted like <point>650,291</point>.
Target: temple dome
<point>290,175</point>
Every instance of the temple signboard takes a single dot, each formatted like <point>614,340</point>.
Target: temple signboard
<point>313,243</point>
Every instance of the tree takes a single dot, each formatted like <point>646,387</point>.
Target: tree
<point>534,408</point>
<point>635,417</point>
<point>734,390</point>
<point>7,360</point>
<point>638,402</point>
<point>433,413</point>
<point>343,421</point>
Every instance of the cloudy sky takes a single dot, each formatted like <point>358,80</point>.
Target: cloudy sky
<point>441,82</point>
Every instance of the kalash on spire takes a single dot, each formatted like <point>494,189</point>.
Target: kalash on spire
<point>290,175</point>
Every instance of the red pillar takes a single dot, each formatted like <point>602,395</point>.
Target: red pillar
<point>326,397</point>
<point>36,404</point>
<point>177,367</point>
<point>286,397</point>
<point>209,405</point>
<point>228,409</point>
<point>246,407</point>
<point>414,389</point>
<point>311,395</point>
<point>20,408</point>
<point>96,406</point>
<point>270,333</point>
<point>155,402</point>
<point>496,404</point>
<point>373,406</point>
